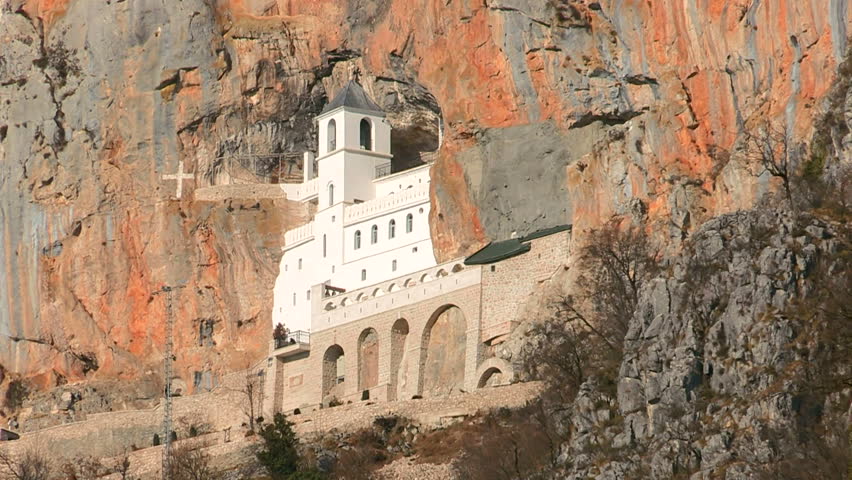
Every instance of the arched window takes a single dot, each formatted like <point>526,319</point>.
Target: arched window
<point>409,223</point>
<point>366,135</point>
<point>324,246</point>
<point>332,135</point>
<point>330,194</point>
<point>374,234</point>
<point>392,229</point>
<point>357,239</point>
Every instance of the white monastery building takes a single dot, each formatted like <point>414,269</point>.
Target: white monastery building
<point>370,225</point>
<point>370,314</point>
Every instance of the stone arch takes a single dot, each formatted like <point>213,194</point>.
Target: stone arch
<point>393,288</point>
<point>361,297</point>
<point>409,282</point>
<point>457,268</point>
<point>333,372</point>
<point>178,387</point>
<point>443,352</point>
<point>493,372</point>
<point>345,302</point>
<point>441,273</point>
<point>378,292</point>
<point>368,359</point>
<point>425,278</point>
<point>399,357</point>
<point>330,306</point>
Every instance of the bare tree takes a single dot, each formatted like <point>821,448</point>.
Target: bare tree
<point>251,389</point>
<point>586,330</point>
<point>83,468</point>
<point>188,463</point>
<point>769,146</point>
<point>31,464</point>
<point>122,467</point>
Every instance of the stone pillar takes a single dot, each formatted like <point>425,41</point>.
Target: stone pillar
<point>415,369</point>
<point>473,354</point>
<point>308,166</point>
<point>384,380</point>
<point>269,386</point>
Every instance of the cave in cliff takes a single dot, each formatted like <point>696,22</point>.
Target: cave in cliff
<point>593,117</point>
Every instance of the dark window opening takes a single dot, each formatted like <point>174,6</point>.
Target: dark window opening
<point>366,135</point>
<point>332,135</point>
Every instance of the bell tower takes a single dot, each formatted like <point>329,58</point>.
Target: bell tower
<point>354,139</point>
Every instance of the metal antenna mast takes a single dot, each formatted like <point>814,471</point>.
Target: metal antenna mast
<point>167,373</point>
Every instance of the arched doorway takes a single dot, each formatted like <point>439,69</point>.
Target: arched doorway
<point>333,372</point>
<point>442,358</point>
<point>368,359</point>
<point>491,378</point>
<point>399,358</point>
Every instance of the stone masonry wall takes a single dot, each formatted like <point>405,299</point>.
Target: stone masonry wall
<point>302,384</point>
<point>507,285</point>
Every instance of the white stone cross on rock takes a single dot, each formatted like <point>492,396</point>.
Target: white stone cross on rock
<point>180,177</point>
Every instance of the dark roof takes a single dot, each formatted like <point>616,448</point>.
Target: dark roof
<point>352,95</point>
<point>544,232</point>
<point>499,251</point>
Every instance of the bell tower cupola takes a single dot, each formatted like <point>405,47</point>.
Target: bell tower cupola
<point>354,144</point>
<point>353,121</point>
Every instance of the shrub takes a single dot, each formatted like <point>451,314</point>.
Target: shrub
<point>279,453</point>
<point>16,394</point>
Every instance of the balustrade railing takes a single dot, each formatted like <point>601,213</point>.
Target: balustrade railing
<point>298,337</point>
<point>298,234</point>
<point>358,211</point>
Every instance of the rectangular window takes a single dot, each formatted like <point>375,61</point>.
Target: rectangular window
<point>294,298</point>
<point>308,295</point>
<point>300,264</point>
<point>393,266</point>
<point>363,275</point>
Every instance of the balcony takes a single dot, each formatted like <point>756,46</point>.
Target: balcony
<point>293,343</point>
<point>383,170</point>
<point>298,235</point>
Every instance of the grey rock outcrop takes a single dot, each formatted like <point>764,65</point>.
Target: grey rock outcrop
<point>725,374</point>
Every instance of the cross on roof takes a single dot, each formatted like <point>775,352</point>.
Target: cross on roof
<point>180,177</point>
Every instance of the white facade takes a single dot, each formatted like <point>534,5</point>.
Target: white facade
<point>369,226</point>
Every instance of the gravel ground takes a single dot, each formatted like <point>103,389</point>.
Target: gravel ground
<point>407,469</point>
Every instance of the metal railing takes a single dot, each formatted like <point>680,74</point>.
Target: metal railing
<point>383,170</point>
<point>298,337</point>
<point>272,168</point>
<point>329,291</point>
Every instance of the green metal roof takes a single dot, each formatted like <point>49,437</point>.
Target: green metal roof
<point>499,251</point>
<point>546,232</point>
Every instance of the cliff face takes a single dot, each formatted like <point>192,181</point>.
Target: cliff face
<point>552,112</point>
<point>736,362</point>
